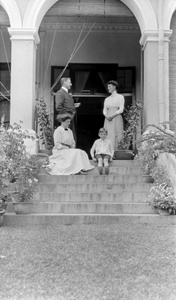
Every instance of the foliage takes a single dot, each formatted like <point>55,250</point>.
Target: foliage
<point>160,139</point>
<point>18,169</point>
<point>46,130</point>
<point>132,116</point>
<point>150,145</point>
<point>162,197</point>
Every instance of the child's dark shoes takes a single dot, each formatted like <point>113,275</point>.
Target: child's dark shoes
<point>100,169</point>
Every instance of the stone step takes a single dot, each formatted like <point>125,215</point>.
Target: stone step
<point>128,163</point>
<point>94,178</point>
<point>119,170</point>
<point>83,208</point>
<point>94,187</point>
<point>112,170</point>
<point>107,197</point>
<point>71,219</point>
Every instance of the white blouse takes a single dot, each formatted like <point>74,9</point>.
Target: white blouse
<point>114,100</point>
<point>61,137</point>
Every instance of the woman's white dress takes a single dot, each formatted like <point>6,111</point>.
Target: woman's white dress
<point>67,161</point>
<point>112,104</point>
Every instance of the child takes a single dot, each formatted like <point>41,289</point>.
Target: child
<point>102,151</point>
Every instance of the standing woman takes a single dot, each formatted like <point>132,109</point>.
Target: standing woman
<point>113,108</point>
<point>67,160</point>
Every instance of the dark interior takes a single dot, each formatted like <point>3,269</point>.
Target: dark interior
<point>89,88</point>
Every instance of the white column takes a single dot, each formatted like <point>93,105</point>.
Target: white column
<point>23,71</point>
<point>156,76</point>
<point>167,34</point>
<point>149,41</point>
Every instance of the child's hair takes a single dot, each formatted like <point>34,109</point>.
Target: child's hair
<point>103,130</point>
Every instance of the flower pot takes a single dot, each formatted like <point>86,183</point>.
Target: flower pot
<point>123,155</point>
<point>45,152</point>
<point>163,212</point>
<point>22,208</point>
<point>2,212</point>
<point>3,205</point>
<point>15,197</point>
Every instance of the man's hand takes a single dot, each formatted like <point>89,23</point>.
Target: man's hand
<point>77,104</point>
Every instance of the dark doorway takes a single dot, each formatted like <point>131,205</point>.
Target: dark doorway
<point>89,88</point>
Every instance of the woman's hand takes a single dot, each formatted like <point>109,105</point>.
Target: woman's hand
<point>111,117</point>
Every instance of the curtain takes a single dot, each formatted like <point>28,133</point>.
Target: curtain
<point>80,80</point>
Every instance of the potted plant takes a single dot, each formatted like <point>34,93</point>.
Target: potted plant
<point>5,197</point>
<point>2,212</point>
<point>46,130</point>
<point>3,202</point>
<point>154,141</point>
<point>131,119</point>
<point>18,169</point>
<point>151,145</point>
<point>162,198</point>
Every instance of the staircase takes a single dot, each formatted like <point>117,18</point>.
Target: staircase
<point>91,199</point>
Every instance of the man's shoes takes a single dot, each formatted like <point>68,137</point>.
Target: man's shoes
<point>107,170</point>
<point>100,169</point>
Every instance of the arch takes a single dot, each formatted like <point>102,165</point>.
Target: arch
<point>144,13</point>
<point>142,10</point>
<point>169,8</point>
<point>35,12</point>
<point>12,10</point>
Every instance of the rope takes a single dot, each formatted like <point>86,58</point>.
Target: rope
<point>1,94</point>
<point>71,56</point>
<point>52,44</point>
<point>4,88</point>
<point>78,39</point>
<point>5,52</point>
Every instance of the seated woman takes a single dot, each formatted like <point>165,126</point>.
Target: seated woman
<point>67,160</point>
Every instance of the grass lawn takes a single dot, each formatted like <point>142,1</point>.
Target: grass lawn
<point>88,262</point>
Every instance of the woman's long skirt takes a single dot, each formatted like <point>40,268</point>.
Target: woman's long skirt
<point>114,128</point>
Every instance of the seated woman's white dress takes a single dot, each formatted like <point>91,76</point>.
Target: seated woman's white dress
<point>67,161</point>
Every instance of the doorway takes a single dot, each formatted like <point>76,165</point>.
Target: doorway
<point>89,88</point>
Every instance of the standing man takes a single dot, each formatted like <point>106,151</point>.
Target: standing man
<point>64,102</point>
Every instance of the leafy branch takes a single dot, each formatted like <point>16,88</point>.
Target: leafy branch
<point>46,130</point>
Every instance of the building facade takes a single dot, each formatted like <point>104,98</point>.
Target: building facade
<point>133,41</point>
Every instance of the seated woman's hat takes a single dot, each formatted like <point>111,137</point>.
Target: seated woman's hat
<point>63,117</point>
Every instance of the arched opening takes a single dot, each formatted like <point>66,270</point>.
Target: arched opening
<point>111,50</point>
<point>5,53</point>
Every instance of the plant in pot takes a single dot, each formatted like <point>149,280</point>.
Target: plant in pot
<point>162,198</point>
<point>131,119</point>
<point>18,169</point>
<point>46,130</point>
<point>4,197</point>
<point>2,212</point>
<point>150,145</point>
<point>154,141</point>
